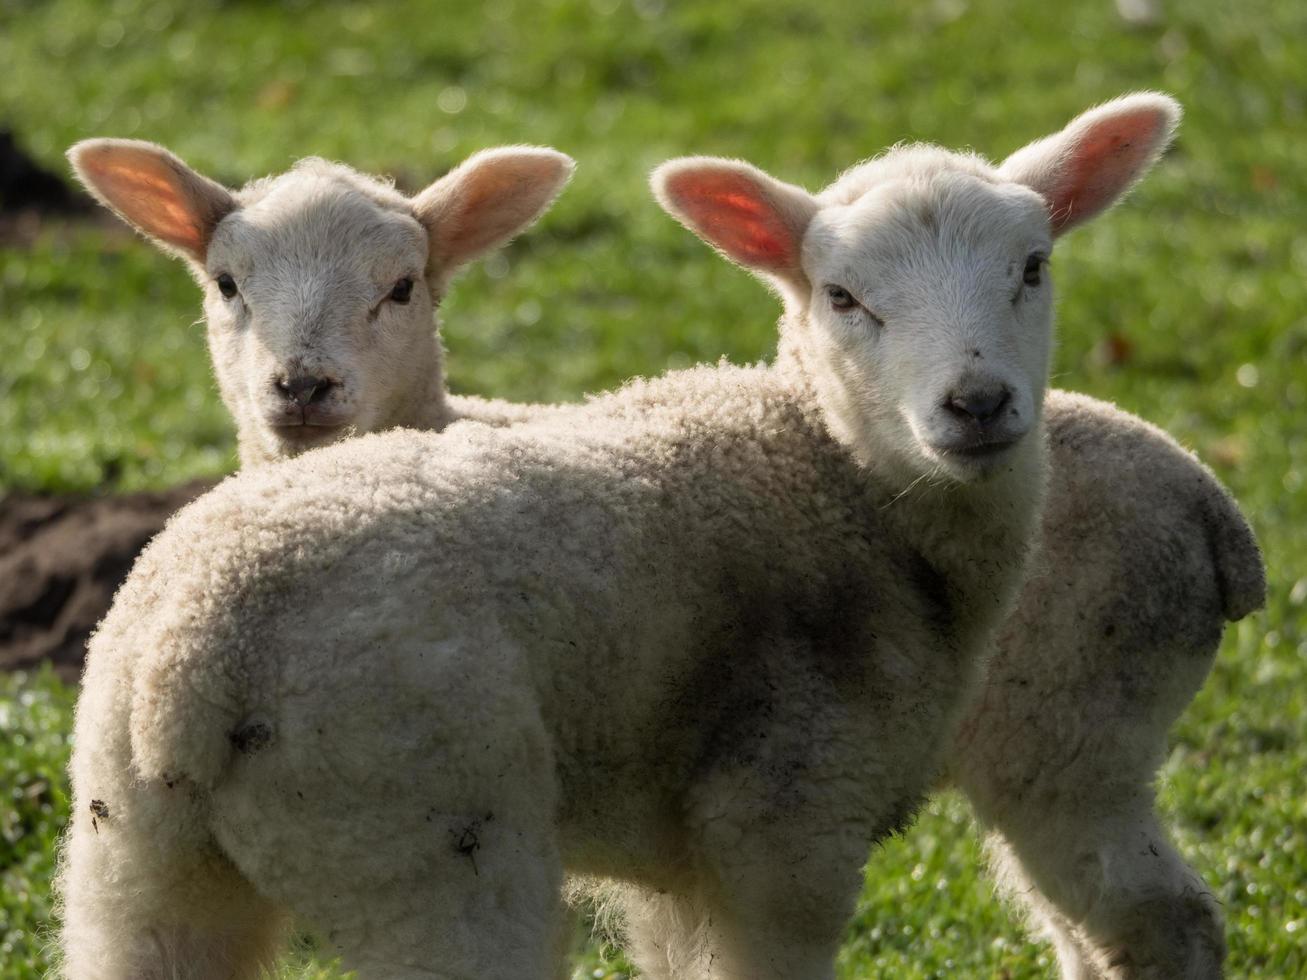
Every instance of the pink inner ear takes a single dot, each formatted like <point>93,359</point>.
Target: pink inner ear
<point>485,204</point>
<point>150,199</point>
<point>491,210</point>
<point>1103,163</point>
<point>733,213</point>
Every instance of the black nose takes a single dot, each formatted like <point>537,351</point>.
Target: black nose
<point>304,390</point>
<point>980,406</point>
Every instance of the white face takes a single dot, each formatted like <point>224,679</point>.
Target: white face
<point>320,283</point>
<point>318,313</point>
<point>929,323</point>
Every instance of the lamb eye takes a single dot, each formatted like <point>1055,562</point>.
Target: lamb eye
<point>1034,265</point>
<point>226,285</point>
<point>840,298</point>
<point>402,291</point>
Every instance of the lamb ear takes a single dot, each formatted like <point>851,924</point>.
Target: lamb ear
<point>1088,166</point>
<point>486,200</point>
<point>750,217</point>
<point>154,192</point>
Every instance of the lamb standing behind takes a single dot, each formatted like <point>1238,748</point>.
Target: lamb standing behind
<point>349,686</point>
<point>320,284</point>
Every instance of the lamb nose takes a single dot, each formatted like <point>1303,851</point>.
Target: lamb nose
<point>983,406</point>
<point>303,390</point>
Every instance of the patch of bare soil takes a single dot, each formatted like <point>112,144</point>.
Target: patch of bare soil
<point>34,197</point>
<point>24,183</point>
<point>62,559</point>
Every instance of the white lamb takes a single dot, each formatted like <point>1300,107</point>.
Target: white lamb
<point>1142,557</point>
<point>320,284</point>
<point>359,687</point>
<point>1098,664</point>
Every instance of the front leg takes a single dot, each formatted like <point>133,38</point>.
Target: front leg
<point>798,785</point>
<point>767,897</point>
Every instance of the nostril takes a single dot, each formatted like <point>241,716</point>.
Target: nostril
<point>303,389</point>
<point>321,390</point>
<point>1000,403</point>
<point>982,406</point>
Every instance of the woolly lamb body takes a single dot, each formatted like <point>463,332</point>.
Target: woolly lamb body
<point>670,685</point>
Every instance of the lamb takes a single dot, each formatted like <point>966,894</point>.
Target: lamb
<point>1141,558</point>
<point>347,687</point>
<point>341,687</point>
<point>1124,501</point>
<point>320,284</point>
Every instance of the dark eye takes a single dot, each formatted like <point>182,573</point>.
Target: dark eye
<point>840,298</point>
<point>226,285</point>
<point>1034,265</point>
<point>402,291</point>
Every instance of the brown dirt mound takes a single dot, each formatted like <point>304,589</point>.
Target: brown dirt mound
<point>24,183</point>
<point>62,559</point>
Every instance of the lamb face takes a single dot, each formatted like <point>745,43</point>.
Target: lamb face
<point>916,290</point>
<point>320,284</point>
<point>311,335</point>
<point>928,322</point>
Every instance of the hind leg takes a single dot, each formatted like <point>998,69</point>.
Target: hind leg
<point>1115,897</point>
<point>1077,842</point>
<point>146,895</point>
<point>144,892</point>
<point>459,893</point>
<point>1058,758</point>
<point>500,919</point>
<point>425,847</point>
<point>465,915</point>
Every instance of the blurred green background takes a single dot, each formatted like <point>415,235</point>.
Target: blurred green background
<point>1188,305</point>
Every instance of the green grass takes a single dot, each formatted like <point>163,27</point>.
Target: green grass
<point>1199,284</point>
<point>35,718</point>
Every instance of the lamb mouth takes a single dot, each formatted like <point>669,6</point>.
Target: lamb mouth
<point>307,431</point>
<point>977,451</point>
<point>984,449</point>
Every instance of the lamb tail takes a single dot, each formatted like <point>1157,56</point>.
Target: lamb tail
<point>1240,570</point>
